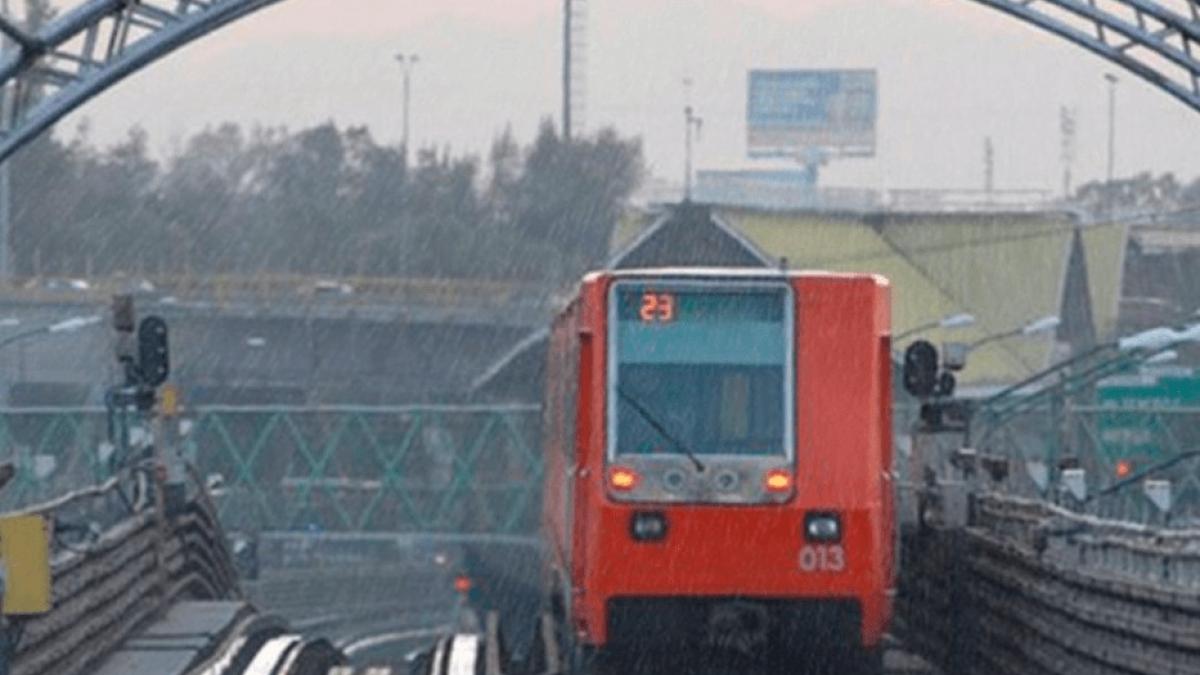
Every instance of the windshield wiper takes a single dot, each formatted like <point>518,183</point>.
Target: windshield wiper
<point>657,426</point>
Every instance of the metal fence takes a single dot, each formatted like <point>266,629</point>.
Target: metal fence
<point>54,451</point>
<point>428,469</point>
<point>1111,443</point>
<point>396,469</point>
<point>115,567</point>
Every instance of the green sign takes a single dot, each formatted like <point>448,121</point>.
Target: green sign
<point>1138,430</point>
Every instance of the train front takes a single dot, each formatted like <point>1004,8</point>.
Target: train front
<point>742,418</point>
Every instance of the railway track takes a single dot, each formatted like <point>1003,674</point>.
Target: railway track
<point>483,654</point>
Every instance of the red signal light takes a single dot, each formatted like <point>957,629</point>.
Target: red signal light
<point>462,584</point>
<point>1124,468</point>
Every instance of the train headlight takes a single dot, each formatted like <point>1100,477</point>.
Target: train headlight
<point>623,479</point>
<point>822,526</point>
<point>648,526</point>
<point>778,481</point>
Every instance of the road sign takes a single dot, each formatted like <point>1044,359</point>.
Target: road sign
<point>801,113</point>
<point>1135,429</point>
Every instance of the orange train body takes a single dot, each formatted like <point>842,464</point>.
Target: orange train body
<point>788,505</point>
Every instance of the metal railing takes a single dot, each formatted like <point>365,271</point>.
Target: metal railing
<point>411,468</point>
<point>1035,588</point>
<point>1110,442</point>
<point>115,566</point>
<point>421,468</point>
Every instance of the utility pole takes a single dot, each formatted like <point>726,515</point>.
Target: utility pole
<point>1112,124</point>
<point>692,125</point>
<point>989,166</point>
<point>407,63</point>
<point>566,71</point>
<point>1066,126</point>
<point>574,66</point>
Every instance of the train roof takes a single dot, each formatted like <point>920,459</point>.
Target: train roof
<point>732,273</point>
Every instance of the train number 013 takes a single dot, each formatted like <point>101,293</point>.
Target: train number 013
<point>822,559</point>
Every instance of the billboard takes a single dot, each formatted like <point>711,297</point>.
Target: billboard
<point>798,113</point>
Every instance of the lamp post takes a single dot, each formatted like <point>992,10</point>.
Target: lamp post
<point>692,125</point>
<point>947,322</point>
<point>66,326</point>
<point>407,63</point>
<point>1112,124</point>
<point>1153,346</point>
<point>1036,327</point>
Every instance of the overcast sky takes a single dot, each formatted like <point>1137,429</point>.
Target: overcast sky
<point>951,72</point>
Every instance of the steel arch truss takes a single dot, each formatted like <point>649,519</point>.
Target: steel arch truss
<point>91,47</point>
<point>1157,41</point>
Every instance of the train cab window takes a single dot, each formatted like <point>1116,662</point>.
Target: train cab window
<point>735,407</point>
<point>701,366</point>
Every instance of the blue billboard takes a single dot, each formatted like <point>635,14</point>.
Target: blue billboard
<point>793,113</point>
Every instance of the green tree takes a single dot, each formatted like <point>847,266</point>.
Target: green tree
<point>319,201</point>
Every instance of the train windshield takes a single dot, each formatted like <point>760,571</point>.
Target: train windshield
<point>700,369</point>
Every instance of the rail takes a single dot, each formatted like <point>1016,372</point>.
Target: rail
<point>114,569</point>
<point>1031,588</point>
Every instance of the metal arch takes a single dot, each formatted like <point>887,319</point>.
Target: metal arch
<point>1157,41</point>
<point>48,74</point>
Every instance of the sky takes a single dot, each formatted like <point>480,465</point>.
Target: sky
<point>951,73</point>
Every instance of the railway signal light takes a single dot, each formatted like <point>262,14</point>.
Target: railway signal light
<point>921,369</point>
<point>1124,468</point>
<point>462,584</point>
<point>154,361</point>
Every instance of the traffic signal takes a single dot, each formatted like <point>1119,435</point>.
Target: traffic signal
<point>154,359</point>
<point>921,369</point>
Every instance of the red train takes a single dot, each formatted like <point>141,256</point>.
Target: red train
<point>718,453</point>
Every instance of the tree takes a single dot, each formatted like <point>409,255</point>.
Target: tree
<point>572,192</point>
<point>320,201</point>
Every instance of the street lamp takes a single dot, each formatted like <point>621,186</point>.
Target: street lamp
<point>1036,327</point>
<point>1112,124</point>
<point>73,324</point>
<point>961,320</point>
<point>407,63</point>
<point>1155,345</point>
<point>1162,357</point>
<point>1157,339</point>
<point>65,326</point>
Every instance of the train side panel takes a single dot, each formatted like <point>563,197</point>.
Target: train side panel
<point>560,414</point>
